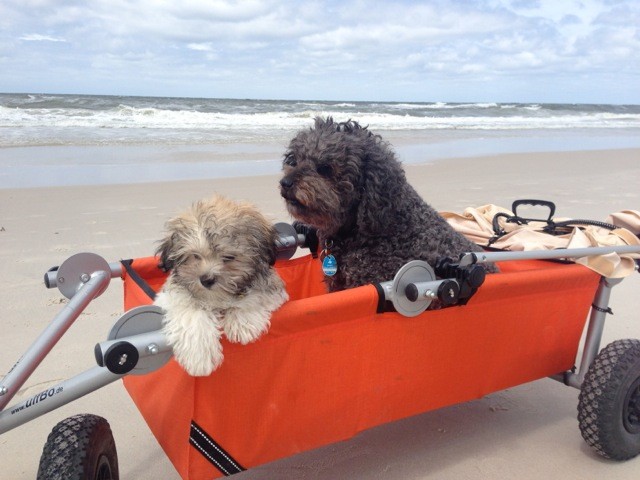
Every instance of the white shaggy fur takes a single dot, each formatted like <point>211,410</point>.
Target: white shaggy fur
<point>193,333</point>
<point>220,255</point>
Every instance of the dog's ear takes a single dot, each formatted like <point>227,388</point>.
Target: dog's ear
<point>164,250</point>
<point>272,253</point>
<point>261,237</point>
<point>382,177</point>
<point>269,247</point>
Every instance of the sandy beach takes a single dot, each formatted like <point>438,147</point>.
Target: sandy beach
<point>529,431</point>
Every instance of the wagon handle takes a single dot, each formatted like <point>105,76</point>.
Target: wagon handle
<point>534,203</point>
<point>515,218</point>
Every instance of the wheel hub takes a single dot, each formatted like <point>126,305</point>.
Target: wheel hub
<point>631,410</point>
<point>104,469</point>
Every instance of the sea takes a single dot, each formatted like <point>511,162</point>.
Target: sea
<point>58,140</point>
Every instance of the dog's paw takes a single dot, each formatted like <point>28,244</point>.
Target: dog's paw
<point>194,336</point>
<point>243,327</point>
<point>200,365</point>
<point>310,236</point>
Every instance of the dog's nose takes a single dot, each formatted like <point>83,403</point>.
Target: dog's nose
<point>286,183</point>
<point>207,282</point>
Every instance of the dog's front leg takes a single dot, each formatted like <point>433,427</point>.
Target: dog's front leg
<point>194,334</point>
<point>245,326</point>
<point>251,318</point>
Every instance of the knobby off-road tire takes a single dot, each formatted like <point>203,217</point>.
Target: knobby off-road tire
<point>609,402</point>
<point>79,448</point>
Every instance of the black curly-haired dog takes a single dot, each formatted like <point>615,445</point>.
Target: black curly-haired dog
<point>346,182</point>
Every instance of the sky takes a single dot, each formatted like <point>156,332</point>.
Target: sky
<point>552,51</point>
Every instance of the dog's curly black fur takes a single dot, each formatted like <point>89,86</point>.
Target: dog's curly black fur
<point>346,182</point>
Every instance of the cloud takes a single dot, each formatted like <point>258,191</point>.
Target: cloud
<point>200,47</point>
<point>324,48</point>
<point>35,37</point>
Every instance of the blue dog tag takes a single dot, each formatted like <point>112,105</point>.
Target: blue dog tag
<point>329,265</point>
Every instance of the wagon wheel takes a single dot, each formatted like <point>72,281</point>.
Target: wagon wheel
<point>609,403</point>
<point>78,448</point>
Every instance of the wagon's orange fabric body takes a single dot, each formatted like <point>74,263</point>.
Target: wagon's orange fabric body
<point>331,367</point>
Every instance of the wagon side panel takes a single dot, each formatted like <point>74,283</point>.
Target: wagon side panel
<point>331,367</point>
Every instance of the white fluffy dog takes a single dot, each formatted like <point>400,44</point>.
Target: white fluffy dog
<point>220,254</point>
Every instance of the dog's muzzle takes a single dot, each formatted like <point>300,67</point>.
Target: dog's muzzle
<point>286,183</point>
<point>286,191</point>
<point>207,282</point>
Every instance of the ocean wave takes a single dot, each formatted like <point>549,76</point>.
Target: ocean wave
<point>125,116</point>
<point>407,106</point>
<point>454,106</point>
<point>32,119</point>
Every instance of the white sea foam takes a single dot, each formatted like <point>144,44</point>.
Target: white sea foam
<point>131,117</point>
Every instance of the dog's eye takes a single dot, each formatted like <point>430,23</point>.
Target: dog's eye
<point>290,160</point>
<point>228,258</point>
<point>324,170</point>
<point>196,256</point>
